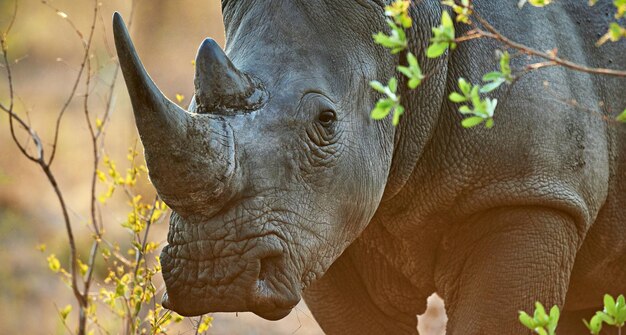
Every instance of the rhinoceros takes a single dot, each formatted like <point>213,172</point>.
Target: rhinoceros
<point>282,186</point>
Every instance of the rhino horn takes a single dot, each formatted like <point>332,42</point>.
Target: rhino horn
<point>220,87</point>
<point>190,157</point>
<point>153,111</point>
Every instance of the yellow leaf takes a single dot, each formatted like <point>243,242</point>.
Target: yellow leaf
<point>101,175</point>
<point>180,98</point>
<point>53,263</point>
<point>41,247</point>
<point>151,247</point>
<point>539,3</point>
<point>156,215</point>
<point>65,312</point>
<point>82,267</point>
<point>205,324</point>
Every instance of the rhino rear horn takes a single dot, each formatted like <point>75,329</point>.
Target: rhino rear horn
<point>220,87</point>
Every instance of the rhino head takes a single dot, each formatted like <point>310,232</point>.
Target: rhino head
<point>275,167</point>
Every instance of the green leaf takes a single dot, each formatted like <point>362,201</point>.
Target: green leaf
<point>615,32</point>
<point>472,121</point>
<point>609,304</point>
<point>539,310</point>
<point>526,320</point>
<point>490,106</point>
<point>465,110</point>
<point>412,60</point>
<point>398,111</point>
<point>414,82</point>
<point>605,318</point>
<point>405,71</point>
<point>489,123</point>
<point>491,76</point>
<point>505,67</point>
<point>465,86</point>
<point>436,50</point>
<point>378,86</point>
<point>396,41</point>
<point>478,106</point>
<point>620,5</point>
<point>413,71</point>
<point>443,37</point>
<point>594,325</point>
<point>446,20</point>
<point>379,113</point>
<point>393,84</point>
<point>492,85</point>
<point>555,314</point>
<point>382,109</point>
<point>456,97</point>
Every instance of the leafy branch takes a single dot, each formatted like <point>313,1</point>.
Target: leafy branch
<point>128,289</point>
<point>542,323</point>
<point>444,39</point>
<point>45,164</point>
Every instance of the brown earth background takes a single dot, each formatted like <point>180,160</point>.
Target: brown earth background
<point>46,54</point>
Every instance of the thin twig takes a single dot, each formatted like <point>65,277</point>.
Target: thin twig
<point>96,162</point>
<point>144,242</point>
<point>87,46</point>
<point>493,33</point>
<point>69,331</point>
<point>70,233</point>
<point>198,325</point>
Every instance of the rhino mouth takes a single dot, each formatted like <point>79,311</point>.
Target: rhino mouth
<point>220,274</point>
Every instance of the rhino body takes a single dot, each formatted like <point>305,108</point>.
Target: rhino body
<point>282,185</point>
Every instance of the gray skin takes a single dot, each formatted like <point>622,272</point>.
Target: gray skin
<point>282,186</point>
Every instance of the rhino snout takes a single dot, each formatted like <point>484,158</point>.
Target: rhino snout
<point>254,282</point>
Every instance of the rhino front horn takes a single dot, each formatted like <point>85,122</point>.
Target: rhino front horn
<point>190,157</point>
<point>220,87</point>
<point>152,109</point>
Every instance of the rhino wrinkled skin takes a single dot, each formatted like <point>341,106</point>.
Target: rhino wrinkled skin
<point>281,185</point>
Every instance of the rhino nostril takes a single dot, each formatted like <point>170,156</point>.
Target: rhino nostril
<point>269,267</point>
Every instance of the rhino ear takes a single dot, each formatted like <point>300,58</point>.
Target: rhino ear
<point>220,86</point>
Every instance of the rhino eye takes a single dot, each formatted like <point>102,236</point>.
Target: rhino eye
<point>327,117</point>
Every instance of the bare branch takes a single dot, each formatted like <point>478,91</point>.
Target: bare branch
<point>87,46</point>
<point>13,16</point>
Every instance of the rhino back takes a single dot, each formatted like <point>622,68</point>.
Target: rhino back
<point>551,144</point>
<point>554,143</point>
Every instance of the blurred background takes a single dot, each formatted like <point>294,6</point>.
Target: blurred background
<point>45,54</point>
